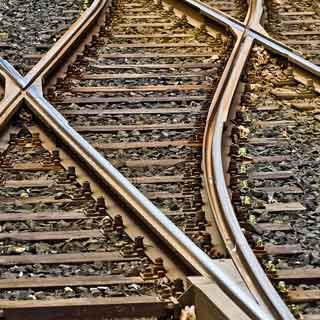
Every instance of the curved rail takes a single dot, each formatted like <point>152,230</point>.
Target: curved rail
<point>227,222</point>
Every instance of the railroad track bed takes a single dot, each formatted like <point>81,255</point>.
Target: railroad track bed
<point>29,28</point>
<point>234,8</point>
<point>67,247</point>
<point>273,176</point>
<point>297,25</point>
<point>139,93</point>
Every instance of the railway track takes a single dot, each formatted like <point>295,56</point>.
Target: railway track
<point>296,25</point>
<point>127,90</point>
<point>141,98</point>
<point>150,86</point>
<point>273,141</point>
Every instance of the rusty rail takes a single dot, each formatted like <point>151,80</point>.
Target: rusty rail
<point>218,196</point>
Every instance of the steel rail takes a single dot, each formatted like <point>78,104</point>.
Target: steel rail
<point>13,83</point>
<point>48,62</point>
<point>283,50</point>
<point>255,30</point>
<point>12,99</point>
<point>239,249</point>
<point>9,72</point>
